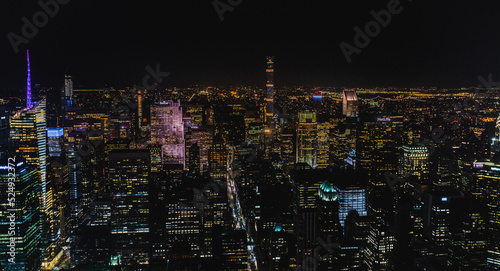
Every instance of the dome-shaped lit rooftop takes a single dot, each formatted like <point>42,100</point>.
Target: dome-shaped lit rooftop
<point>327,192</point>
<point>278,227</point>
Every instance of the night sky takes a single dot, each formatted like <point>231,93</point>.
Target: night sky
<point>430,43</point>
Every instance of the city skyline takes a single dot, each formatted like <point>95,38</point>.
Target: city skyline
<point>237,135</point>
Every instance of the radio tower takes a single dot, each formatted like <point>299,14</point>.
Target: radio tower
<point>28,83</point>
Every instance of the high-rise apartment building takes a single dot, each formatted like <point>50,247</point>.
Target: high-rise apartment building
<point>270,91</point>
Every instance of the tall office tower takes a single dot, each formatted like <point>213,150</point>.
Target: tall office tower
<point>307,182</point>
<point>340,148</point>
<point>166,188</point>
<point>120,127</point>
<point>85,131</point>
<point>328,212</point>
<point>323,150</point>
<point>159,189</point>
<point>194,158</point>
<point>288,146</point>
<point>29,103</point>
<point>380,244</point>
<point>55,144</point>
<point>230,247</point>
<point>29,140</point>
<point>19,216</point>
<point>4,129</point>
<point>351,197</point>
<point>68,91</point>
<point>414,164</point>
<point>236,135</point>
<point>307,141</point>
<point>139,109</point>
<point>282,252</point>
<point>270,91</point>
<point>356,231</point>
<point>155,154</point>
<point>183,225</point>
<point>215,212</point>
<point>58,173</point>
<point>349,103</point>
<point>203,136</point>
<point>350,185</point>
<point>254,134</point>
<point>167,130</point>
<point>379,138</point>
<point>196,113</point>
<point>468,235</point>
<point>217,160</point>
<point>483,180</point>
<point>495,141</point>
<point>128,177</point>
<point>437,219</point>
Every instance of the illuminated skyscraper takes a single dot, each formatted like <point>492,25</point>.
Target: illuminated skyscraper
<point>485,185</point>
<point>377,149</point>
<point>288,140</point>
<point>307,141</point>
<point>203,136</point>
<point>217,160</point>
<point>139,109</point>
<point>28,83</point>
<point>129,191</point>
<point>414,164</point>
<point>28,135</point>
<point>270,90</point>
<point>231,247</point>
<point>328,211</point>
<point>167,130</point>
<point>380,244</point>
<point>323,151</point>
<point>54,137</point>
<point>349,103</point>
<point>351,198</point>
<point>68,90</point>
<point>24,212</point>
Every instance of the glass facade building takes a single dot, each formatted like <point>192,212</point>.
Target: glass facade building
<point>19,216</point>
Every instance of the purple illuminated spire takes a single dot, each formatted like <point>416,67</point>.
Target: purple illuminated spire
<point>28,83</point>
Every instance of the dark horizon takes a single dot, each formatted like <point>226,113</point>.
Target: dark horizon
<point>427,44</point>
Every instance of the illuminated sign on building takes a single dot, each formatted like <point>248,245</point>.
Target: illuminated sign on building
<point>55,132</point>
<point>384,119</point>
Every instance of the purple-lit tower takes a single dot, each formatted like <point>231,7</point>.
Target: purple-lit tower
<point>28,83</point>
<point>167,130</point>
